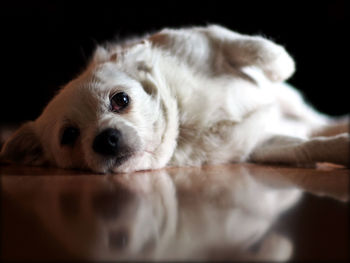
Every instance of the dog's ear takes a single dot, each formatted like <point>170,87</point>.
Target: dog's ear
<point>23,147</point>
<point>218,50</point>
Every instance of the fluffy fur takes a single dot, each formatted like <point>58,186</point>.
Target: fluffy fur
<point>197,95</point>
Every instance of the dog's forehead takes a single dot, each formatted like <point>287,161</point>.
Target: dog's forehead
<point>98,81</point>
<point>108,74</point>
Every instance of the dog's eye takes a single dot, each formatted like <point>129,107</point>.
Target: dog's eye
<point>69,135</point>
<point>120,101</point>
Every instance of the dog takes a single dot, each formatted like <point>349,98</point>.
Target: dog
<point>181,97</point>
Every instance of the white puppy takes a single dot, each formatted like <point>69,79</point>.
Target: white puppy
<point>179,97</point>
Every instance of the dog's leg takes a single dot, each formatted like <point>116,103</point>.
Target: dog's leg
<point>293,106</point>
<point>300,152</point>
<point>295,109</point>
<point>334,127</point>
<point>215,49</point>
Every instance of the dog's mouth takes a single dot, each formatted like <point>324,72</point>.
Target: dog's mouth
<point>108,165</point>
<point>119,160</point>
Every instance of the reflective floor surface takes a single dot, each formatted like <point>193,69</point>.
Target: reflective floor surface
<point>232,212</point>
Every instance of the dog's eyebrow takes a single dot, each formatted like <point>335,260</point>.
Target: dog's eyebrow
<point>149,87</point>
<point>142,66</point>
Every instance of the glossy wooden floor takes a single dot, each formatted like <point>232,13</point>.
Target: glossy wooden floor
<point>230,212</point>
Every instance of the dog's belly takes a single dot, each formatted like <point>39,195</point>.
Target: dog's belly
<point>225,140</point>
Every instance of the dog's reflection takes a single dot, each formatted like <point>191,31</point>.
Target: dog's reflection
<point>174,214</point>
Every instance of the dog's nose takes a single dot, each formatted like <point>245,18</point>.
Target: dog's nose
<point>107,142</point>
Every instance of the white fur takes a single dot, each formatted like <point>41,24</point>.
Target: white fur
<point>198,95</point>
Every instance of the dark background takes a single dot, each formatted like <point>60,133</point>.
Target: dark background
<point>45,44</point>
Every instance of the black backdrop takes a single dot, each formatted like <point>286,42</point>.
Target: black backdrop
<point>45,44</point>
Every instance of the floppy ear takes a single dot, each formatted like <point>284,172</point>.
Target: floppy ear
<point>218,50</point>
<point>23,147</point>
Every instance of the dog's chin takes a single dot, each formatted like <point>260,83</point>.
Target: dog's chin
<point>132,162</point>
<point>126,162</point>
<point>118,162</point>
<point>110,164</point>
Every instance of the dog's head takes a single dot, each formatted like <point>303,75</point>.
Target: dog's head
<point>113,117</point>
<point>121,113</point>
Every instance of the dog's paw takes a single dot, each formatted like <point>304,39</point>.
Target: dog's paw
<point>341,148</point>
<point>334,149</point>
